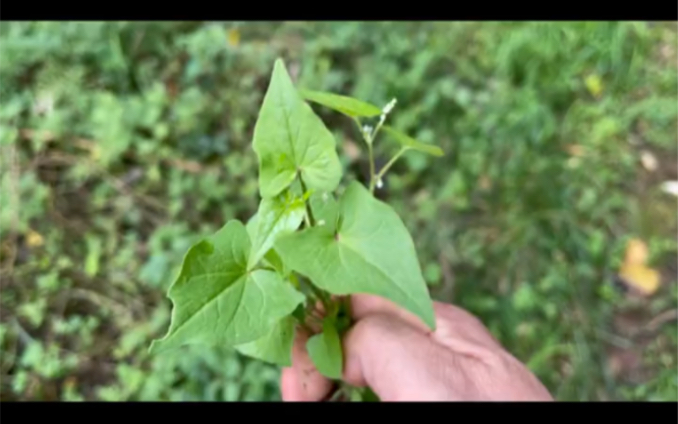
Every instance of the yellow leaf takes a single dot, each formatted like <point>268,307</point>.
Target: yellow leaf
<point>641,278</point>
<point>484,182</point>
<point>637,253</point>
<point>594,84</point>
<point>575,150</point>
<point>34,239</point>
<point>634,272</point>
<point>70,383</point>
<point>233,37</point>
<point>95,153</point>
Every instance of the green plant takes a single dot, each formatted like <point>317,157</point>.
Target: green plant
<point>247,286</point>
<point>546,130</point>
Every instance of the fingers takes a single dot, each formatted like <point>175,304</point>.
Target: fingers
<point>456,328</point>
<point>384,344</point>
<point>302,382</point>
<point>396,360</point>
<point>363,305</point>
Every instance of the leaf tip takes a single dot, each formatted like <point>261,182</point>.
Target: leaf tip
<point>431,321</point>
<point>156,347</point>
<point>427,312</point>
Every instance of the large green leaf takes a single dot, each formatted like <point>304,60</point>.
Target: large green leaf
<point>325,351</point>
<point>275,347</point>
<point>291,140</point>
<point>217,301</point>
<point>347,105</point>
<point>410,143</point>
<point>366,249</point>
<point>251,225</point>
<point>276,215</point>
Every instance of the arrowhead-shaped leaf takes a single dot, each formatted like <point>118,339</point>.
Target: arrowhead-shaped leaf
<point>347,105</point>
<point>289,139</point>
<point>409,142</point>
<point>366,249</point>
<point>275,347</point>
<point>326,352</point>
<point>218,301</point>
<point>276,215</point>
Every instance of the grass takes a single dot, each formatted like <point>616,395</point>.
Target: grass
<point>124,143</point>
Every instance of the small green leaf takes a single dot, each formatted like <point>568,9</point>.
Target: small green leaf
<point>326,352</point>
<point>217,301</point>
<point>275,347</point>
<point>407,141</point>
<point>273,259</point>
<point>347,105</point>
<point>369,396</point>
<point>367,249</point>
<point>276,215</point>
<point>94,250</point>
<point>291,140</point>
<point>324,207</point>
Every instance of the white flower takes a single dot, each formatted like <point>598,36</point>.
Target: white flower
<point>321,222</point>
<point>367,129</point>
<point>44,104</point>
<point>670,187</point>
<point>389,107</point>
<point>380,183</point>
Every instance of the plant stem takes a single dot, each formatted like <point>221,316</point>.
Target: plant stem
<point>322,296</point>
<point>378,127</point>
<point>341,391</point>
<point>368,141</point>
<point>309,212</point>
<point>371,156</point>
<point>315,294</point>
<point>369,138</point>
<point>348,307</point>
<point>390,163</point>
<point>317,319</point>
<point>303,325</point>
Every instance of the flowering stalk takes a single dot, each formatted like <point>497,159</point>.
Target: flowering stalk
<point>369,134</point>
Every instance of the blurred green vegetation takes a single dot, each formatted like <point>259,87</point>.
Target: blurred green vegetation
<point>124,143</point>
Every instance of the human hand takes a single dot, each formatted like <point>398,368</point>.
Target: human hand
<point>400,359</point>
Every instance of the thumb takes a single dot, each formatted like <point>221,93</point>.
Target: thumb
<point>396,360</point>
